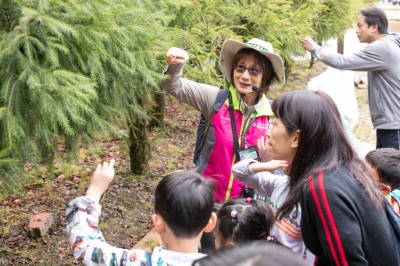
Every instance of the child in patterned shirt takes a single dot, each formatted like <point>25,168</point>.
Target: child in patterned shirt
<point>183,211</point>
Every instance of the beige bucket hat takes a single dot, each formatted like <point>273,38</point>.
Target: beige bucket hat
<point>231,47</point>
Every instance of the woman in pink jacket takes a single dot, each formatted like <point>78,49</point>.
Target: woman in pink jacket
<point>252,68</point>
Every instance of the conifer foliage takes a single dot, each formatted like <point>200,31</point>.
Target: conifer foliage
<point>70,69</point>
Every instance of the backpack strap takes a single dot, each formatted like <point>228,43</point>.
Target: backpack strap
<point>219,101</point>
<point>392,216</point>
<point>394,224</point>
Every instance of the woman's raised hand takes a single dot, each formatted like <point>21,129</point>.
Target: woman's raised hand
<point>270,166</point>
<point>177,56</point>
<point>262,149</point>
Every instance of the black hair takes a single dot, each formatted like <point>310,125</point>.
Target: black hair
<point>376,16</point>
<point>322,143</point>
<point>185,201</point>
<point>241,220</point>
<point>267,68</point>
<point>257,253</point>
<point>386,161</point>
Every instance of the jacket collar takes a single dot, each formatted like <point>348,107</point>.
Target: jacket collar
<point>262,107</point>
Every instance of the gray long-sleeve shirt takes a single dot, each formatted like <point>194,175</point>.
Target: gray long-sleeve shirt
<point>287,229</point>
<point>381,59</point>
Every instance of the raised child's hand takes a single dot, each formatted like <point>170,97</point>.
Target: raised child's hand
<point>177,56</point>
<point>101,179</point>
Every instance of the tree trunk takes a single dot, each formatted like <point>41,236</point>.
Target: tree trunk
<point>157,118</point>
<point>312,61</point>
<point>5,21</point>
<point>340,46</point>
<point>139,148</point>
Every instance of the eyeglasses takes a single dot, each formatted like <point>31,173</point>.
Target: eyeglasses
<point>253,71</point>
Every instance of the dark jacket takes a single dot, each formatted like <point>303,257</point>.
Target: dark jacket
<point>341,226</point>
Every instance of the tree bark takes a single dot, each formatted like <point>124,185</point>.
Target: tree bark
<point>157,118</point>
<point>139,148</point>
<point>340,46</point>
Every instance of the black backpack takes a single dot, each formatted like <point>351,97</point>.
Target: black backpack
<point>204,123</point>
<point>394,222</point>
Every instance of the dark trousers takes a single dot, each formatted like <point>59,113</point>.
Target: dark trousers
<point>387,138</point>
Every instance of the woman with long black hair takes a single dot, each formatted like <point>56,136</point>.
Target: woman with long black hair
<point>343,220</point>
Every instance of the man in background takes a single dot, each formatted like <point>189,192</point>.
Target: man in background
<point>381,59</point>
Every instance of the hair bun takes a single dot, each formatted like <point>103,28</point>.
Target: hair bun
<point>234,214</point>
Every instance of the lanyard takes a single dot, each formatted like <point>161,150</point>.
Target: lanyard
<point>233,124</point>
<point>235,142</point>
<point>244,131</point>
<point>278,199</point>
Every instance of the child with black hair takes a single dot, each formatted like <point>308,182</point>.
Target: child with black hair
<point>257,253</point>
<point>259,176</point>
<point>385,168</point>
<point>243,220</point>
<point>183,211</point>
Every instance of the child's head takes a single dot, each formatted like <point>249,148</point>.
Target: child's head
<point>184,201</point>
<point>385,166</point>
<point>242,220</point>
<point>252,254</point>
